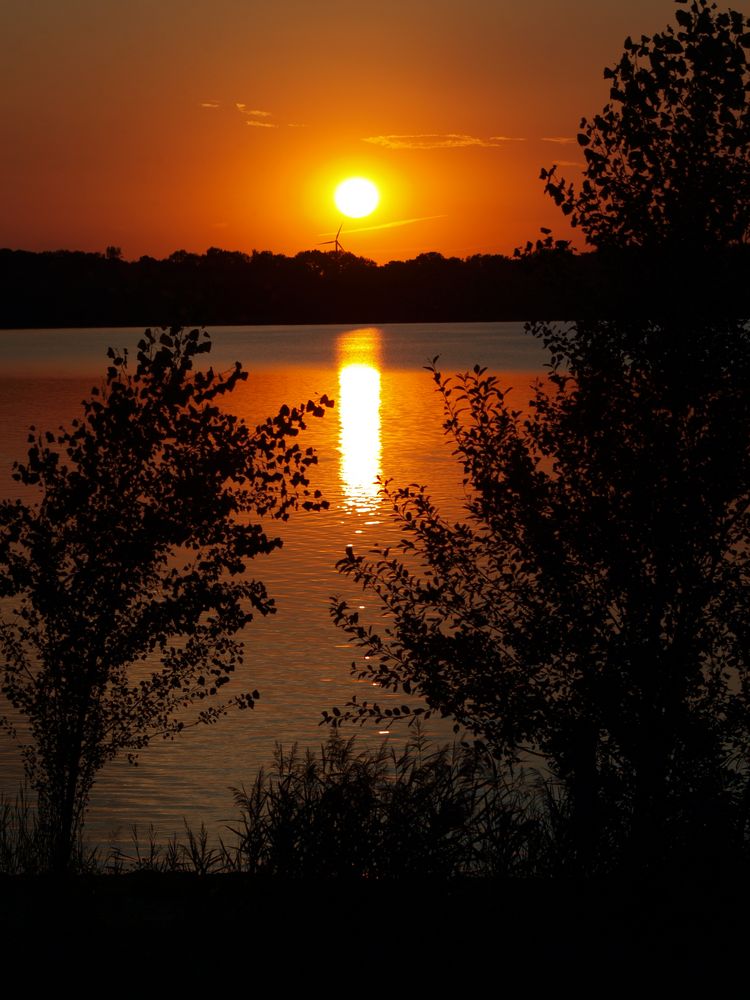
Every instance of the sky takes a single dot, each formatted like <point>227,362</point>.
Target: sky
<point>158,126</point>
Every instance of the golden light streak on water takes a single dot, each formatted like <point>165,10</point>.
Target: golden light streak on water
<point>360,445</point>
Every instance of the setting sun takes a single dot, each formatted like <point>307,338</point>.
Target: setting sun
<point>356,197</point>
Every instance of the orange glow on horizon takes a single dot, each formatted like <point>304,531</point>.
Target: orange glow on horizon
<point>451,112</point>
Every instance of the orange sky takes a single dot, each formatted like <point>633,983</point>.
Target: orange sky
<point>163,125</point>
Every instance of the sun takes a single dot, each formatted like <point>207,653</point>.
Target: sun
<point>356,197</point>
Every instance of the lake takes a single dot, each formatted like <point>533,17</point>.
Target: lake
<point>387,422</point>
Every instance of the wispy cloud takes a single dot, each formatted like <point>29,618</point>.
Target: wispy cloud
<point>399,222</point>
<point>255,116</point>
<point>562,140</point>
<point>388,225</point>
<point>254,112</point>
<point>428,140</point>
<point>568,163</point>
<point>506,138</point>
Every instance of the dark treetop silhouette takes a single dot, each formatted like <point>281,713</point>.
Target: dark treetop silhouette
<point>593,606</point>
<point>73,289</point>
<point>668,160</point>
<point>129,573</point>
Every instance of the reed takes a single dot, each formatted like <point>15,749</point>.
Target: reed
<point>426,810</point>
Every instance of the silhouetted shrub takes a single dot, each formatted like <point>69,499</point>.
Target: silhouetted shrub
<point>423,811</point>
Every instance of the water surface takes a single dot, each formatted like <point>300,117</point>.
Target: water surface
<point>387,423</point>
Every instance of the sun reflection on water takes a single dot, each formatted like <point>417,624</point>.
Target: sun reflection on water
<point>359,417</point>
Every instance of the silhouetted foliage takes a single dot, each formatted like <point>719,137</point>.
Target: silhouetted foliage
<point>345,811</point>
<point>128,575</point>
<point>668,160</point>
<point>593,605</point>
<point>422,811</point>
<point>593,608</point>
<point>222,287</point>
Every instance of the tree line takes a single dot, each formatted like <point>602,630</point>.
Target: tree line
<point>546,280</point>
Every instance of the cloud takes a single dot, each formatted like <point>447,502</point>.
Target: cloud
<point>506,138</point>
<point>568,163</point>
<point>296,125</point>
<point>254,112</point>
<point>450,140</point>
<point>562,140</point>
<point>253,116</point>
<point>389,225</point>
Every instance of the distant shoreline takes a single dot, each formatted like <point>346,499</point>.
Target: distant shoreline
<point>71,289</point>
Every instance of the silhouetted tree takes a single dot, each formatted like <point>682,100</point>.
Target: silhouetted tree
<point>668,160</point>
<point>593,606</point>
<point>128,576</point>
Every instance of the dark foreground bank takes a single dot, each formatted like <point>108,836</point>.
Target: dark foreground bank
<point>461,927</point>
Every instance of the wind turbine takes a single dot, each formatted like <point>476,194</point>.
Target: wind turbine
<point>337,248</point>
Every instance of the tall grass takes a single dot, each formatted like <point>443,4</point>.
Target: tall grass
<point>344,811</point>
<point>25,846</point>
<point>422,811</point>
<point>21,847</point>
